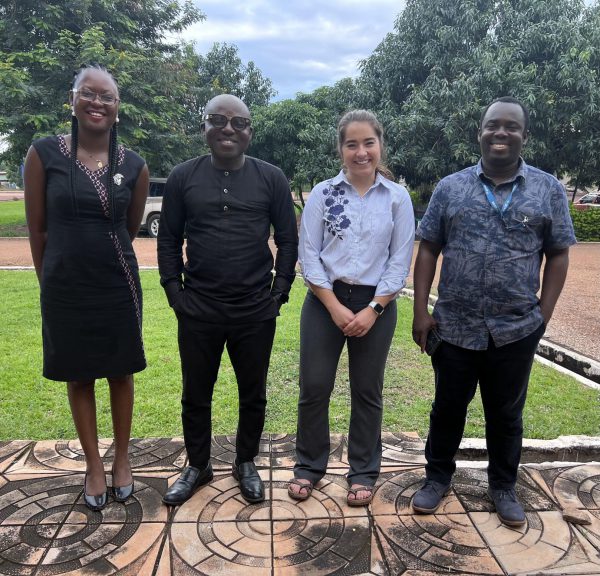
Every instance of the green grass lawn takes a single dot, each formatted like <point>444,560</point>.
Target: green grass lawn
<point>34,408</point>
<point>12,218</point>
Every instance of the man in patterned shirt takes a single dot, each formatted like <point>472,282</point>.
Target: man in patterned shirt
<point>493,223</point>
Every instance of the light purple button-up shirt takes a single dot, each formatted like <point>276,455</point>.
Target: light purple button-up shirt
<point>365,240</point>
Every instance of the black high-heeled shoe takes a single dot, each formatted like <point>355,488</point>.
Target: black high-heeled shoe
<point>121,493</point>
<point>95,503</point>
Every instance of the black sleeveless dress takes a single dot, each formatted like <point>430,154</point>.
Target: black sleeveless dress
<point>91,298</point>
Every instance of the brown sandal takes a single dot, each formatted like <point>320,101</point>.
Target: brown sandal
<point>308,486</point>
<point>360,501</point>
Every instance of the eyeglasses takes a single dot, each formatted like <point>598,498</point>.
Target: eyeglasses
<point>238,123</point>
<point>90,96</point>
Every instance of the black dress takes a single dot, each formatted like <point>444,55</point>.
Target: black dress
<point>91,299</point>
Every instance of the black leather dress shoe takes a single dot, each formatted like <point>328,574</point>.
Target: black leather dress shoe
<point>190,480</point>
<point>251,486</point>
<point>94,503</point>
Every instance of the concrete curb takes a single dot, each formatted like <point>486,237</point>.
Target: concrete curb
<point>570,360</point>
<point>561,449</point>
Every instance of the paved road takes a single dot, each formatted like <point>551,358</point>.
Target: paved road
<point>576,321</point>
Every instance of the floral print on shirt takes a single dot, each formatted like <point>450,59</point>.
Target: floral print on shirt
<point>335,218</point>
<point>490,276</point>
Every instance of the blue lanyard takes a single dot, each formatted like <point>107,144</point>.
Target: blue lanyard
<point>492,200</point>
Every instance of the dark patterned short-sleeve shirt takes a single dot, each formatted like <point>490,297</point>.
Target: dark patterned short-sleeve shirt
<point>491,262</point>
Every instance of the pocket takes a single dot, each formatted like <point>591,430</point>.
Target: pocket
<point>525,232</point>
<point>277,304</point>
<point>381,227</point>
<point>178,303</point>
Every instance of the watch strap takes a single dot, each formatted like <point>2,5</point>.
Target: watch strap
<point>377,307</point>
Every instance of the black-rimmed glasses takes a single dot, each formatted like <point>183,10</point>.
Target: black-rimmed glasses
<point>238,123</point>
<point>90,96</point>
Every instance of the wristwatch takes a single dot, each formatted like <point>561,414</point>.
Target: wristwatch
<point>377,307</point>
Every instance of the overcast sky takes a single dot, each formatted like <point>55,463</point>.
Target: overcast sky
<point>300,45</point>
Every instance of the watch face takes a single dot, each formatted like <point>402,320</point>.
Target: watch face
<point>377,307</point>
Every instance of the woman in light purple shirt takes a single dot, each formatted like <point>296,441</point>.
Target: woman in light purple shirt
<point>356,242</point>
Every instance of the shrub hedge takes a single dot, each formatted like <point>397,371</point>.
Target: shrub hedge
<point>586,224</point>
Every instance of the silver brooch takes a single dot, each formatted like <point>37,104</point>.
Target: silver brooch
<point>118,178</point>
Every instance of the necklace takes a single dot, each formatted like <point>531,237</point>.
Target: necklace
<point>98,162</point>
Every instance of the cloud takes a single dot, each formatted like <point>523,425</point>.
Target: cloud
<point>300,45</point>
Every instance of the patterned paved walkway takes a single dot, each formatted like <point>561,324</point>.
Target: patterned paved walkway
<point>45,529</point>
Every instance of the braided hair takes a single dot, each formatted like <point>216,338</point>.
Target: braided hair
<point>113,148</point>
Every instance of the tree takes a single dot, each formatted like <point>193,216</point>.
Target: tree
<point>317,156</point>
<point>221,71</point>
<point>429,34</point>
<point>276,132</point>
<point>256,89</point>
<point>418,81</point>
<point>293,136</point>
<point>334,101</point>
<point>43,42</point>
<point>445,61</point>
<point>545,57</point>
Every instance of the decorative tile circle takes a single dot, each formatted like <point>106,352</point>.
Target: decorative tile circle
<point>44,522</point>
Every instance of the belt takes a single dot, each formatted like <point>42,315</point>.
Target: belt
<point>358,291</point>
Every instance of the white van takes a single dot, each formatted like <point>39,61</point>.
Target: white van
<point>151,217</point>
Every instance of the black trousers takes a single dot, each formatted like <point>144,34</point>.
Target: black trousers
<point>503,376</point>
<point>321,344</point>
<point>200,347</point>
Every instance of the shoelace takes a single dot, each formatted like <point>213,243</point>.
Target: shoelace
<point>507,495</point>
<point>430,484</point>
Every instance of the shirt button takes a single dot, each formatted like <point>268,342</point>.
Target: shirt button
<point>226,173</point>
<point>225,190</point>
<point>225,208</point>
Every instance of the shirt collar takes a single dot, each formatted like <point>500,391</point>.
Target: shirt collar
<point>520,175</point>
<point>379,180</point>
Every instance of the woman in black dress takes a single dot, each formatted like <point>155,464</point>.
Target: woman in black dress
<point>84,199</point>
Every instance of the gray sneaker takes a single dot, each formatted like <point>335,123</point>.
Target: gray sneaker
<point>508,508</point>
<point>428,498</point>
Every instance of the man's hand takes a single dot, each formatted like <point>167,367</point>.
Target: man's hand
<point>423,274</point>
<point>280,299</point>
<point>423,322</point>
<point>173,291</point>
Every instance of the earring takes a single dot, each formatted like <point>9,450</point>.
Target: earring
<point>72,110</point>
<point>117,119</point>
